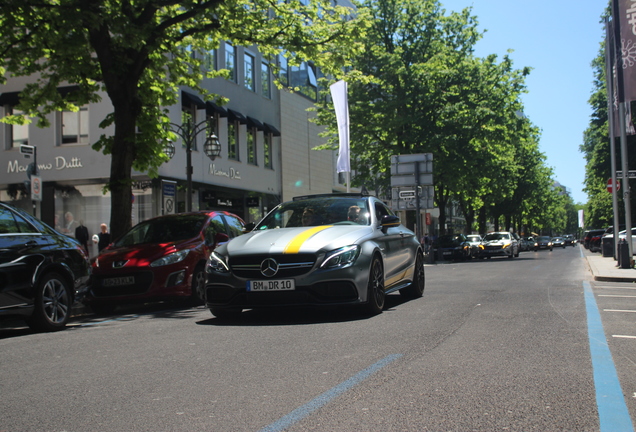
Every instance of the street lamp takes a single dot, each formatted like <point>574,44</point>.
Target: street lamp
<point>188,133</point>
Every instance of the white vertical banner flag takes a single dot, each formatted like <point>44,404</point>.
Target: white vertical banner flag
<point>341,106</point>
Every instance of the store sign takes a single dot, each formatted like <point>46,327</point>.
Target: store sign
<point>61,163</point>
<point>231,174</point>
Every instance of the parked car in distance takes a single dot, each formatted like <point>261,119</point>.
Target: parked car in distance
<point>452,247</point>
<point>621,235</point>
<point>499,244</point>
<point>475,241</point>
<point>42,272</point>
<point>596,236</point>
<point>523,244</point>
<point>160,258</point>
<point>588,235</point>
<point>292,261</point>
<point>558,242</point>
<point>543,242</point>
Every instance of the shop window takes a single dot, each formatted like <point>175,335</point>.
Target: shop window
<point>74,126</point>
<point>248,72</point>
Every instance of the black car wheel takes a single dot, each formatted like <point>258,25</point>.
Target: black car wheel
<point>375,287</point>
<point>53,302</point>
<point>198,286</point>
<point>416,288</point>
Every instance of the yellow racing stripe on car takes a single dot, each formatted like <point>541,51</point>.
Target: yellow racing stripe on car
<point>294,245</point>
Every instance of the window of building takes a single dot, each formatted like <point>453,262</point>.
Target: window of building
<point>283,73</point>
<point>74,126</point>
<point>17,134</point>
<point>303,77</point>
<point>230,61</point>
<point>248,72</point>
<point>251,146</point>
<point>232,140</point>
<point>266,83</point>
<point>209,60</point>
<point>267,150</point>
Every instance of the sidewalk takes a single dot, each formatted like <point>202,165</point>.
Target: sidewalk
<point>605,268</point>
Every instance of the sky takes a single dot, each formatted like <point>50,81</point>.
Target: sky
<point>558,39</point>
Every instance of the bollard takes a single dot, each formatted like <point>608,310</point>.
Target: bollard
<point>623,254</point>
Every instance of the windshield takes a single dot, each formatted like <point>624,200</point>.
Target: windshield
<point>164,230</point>
<point>497,236</point>
<point>317,211</point>
<point>544,239</point>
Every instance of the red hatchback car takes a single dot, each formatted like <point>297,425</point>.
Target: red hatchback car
<point>160,258</point>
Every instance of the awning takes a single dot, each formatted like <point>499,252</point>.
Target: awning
<point>212,108</point>
<point>9,98</point>
<point>189,99</point>
<point>253,123</point>
<point>236,116</point>
<point>271,129</point>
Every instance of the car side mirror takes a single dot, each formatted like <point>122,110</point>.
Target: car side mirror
<point>248,227</point>
<point>388,221</point>
<point>221,238</point>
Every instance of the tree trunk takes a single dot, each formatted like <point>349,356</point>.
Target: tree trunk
<point>122,158</point>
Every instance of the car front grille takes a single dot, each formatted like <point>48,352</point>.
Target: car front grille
<point>493,247</point>
<point>291,265</point>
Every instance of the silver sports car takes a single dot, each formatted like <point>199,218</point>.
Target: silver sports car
<point>338,249</point>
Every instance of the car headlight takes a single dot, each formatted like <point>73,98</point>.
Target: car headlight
<point>506,245</point>
<point>216,263</point>
<point>173,258</point>
<point>341,257</point>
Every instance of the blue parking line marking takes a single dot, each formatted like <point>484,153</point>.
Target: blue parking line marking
<point>612,409</point>
<point>303,411</point>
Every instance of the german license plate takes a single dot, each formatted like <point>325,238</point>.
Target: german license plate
<point>118,281</point>
<point>271,285</point>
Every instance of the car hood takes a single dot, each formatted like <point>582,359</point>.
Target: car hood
<point>142,254</point>
<point>296,240</point>
<point>496,242</point>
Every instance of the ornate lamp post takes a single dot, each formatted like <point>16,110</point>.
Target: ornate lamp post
<point>188,133</point>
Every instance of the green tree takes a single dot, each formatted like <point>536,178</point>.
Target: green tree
<point>139,52</point>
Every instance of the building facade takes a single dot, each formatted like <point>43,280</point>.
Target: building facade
<point>266,152</point>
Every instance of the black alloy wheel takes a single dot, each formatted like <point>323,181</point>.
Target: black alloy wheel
<point>53,303</point>
<point>416,288</point>
<point>198,286</point>
<point>375,288</point>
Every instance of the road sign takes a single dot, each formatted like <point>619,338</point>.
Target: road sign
<point>610,188</point>
<point>27,150</point>
<point>407,194</point>
<point>630,174</point>
<point>36,188</point>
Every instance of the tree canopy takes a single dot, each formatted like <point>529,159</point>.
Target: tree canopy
<point>140,52</point>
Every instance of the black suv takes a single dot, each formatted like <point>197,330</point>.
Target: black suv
<point>42,272</point>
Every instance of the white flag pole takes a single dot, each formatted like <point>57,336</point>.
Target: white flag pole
<point>341,106</point>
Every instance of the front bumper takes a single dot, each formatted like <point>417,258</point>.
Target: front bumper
<point>317,287</point>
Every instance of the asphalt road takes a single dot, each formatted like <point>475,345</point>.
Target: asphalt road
<point>492,345</point>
